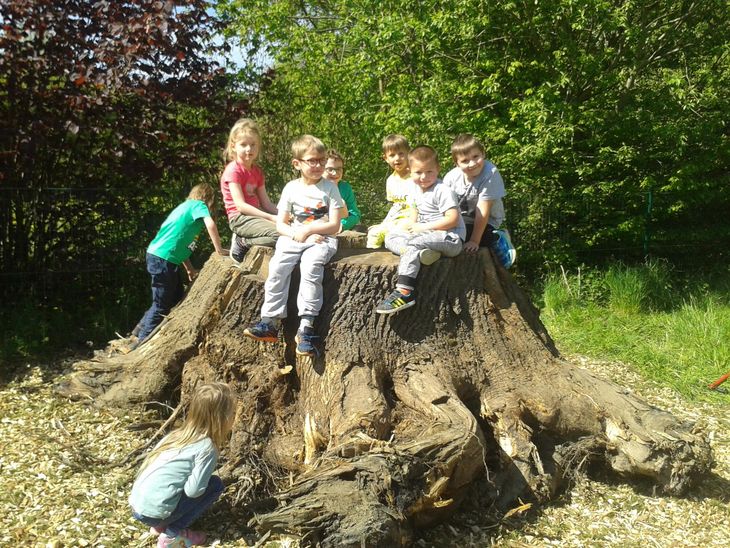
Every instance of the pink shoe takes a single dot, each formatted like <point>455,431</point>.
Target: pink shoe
<point>163,541</point>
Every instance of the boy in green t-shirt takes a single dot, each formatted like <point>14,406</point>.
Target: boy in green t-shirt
<point>172,247</point>
<point>334,169</point>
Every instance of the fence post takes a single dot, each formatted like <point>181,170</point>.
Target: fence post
<point>649,206</point>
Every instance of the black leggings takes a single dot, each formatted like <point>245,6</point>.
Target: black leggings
<point>489,237</point>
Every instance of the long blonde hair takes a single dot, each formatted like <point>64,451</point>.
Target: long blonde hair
<point>243,126</point>
<point>210,415</point>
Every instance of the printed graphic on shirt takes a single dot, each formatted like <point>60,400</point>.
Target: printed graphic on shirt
<point>306,215</point>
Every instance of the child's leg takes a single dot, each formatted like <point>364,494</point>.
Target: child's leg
<point>396,241</point>
<point>188,509</point>
<point>410,262</point>
<point>309,299</point>
<point>376,236</point>
<point>255,230</point>
<point>165,292</point>
<point>288,253</point>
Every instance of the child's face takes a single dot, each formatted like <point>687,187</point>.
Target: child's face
<point>397,160</point>
<point>246,149</point>
<point>333,170</point>
<point>310,165</point>
<point>471,162</point>
<point>424,174</point>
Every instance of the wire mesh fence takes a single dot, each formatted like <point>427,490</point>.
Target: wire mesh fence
<point>65,243</point>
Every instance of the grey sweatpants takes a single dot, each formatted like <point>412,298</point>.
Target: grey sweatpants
<point>311,259</point>
<point>254,230</point>
<point>409,245</point>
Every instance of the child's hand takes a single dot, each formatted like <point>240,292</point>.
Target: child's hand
<point>192,274</point>
<point>300,235</point>
<point>314,239</point>
<point>471,247</point>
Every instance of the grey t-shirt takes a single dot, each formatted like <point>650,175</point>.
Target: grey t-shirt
<point>309,203</point>
<point>434,202</point>
<point>156,491</point>
<point>488,186</point>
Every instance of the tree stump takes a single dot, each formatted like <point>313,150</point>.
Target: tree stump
<point>386,430</point>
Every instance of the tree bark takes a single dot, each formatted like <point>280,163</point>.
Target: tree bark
<point>387,429</point>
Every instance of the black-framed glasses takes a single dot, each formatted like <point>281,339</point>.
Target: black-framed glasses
<point>333,169</point>
<point>313,162</point>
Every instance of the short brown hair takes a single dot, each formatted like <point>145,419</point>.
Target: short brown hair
<point>304,143</point>
<point>332,154</point>
<point>423,153</point>
<point>395,141</point>
<point>205,193</point>
<point>464,143</point>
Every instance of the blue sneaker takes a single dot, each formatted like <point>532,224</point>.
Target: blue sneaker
<point>504,250</point>
<point>262,331</point>
<point>306,343</point>
<point>395,302</point>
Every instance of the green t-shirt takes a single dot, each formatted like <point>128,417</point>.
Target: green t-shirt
<point>175,240</point>
<point>349,196</point>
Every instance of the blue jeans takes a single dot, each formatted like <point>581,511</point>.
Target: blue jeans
<point>167,291</point>
<point>187,509</point>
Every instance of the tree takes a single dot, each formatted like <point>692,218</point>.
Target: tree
<point>104,106</point>
<point>387,430</point>
<point>584,106</point>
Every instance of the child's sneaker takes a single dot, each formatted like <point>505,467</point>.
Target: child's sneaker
<point>428,256</point>
<point>395,302</point>
<point>164,541</point>
<point>306,343</point>
<point>238,250</point>
<point>262,331</point>
<point>504,250</point>
<point>186,538</point>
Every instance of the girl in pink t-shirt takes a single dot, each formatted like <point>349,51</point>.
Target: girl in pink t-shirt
<point>251,215</point>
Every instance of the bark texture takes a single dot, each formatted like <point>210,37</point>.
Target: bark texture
<point>385,431</point>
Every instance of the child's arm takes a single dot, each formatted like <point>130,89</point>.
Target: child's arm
<point>203,468</point>
<point>190,269</point>
<point>244,207</point>
<point>318,230</point>
<point>481,219</point>
<point>265,202</point>
<point>351,215</point>
<point>448,221</point>
<point>214,235</point>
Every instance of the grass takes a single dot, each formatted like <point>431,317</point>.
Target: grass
<point>672,328</point>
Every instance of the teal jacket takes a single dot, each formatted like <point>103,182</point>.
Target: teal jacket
<point>349,196</point>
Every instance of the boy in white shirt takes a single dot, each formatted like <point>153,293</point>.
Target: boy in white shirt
<point>309,213</point>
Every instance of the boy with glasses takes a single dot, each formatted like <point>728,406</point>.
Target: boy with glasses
<point>309,213</point>
<point>334,171</point>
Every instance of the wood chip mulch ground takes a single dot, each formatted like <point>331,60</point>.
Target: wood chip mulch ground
<point>62,484</point>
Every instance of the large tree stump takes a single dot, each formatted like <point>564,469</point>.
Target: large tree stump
<point>387,429</point>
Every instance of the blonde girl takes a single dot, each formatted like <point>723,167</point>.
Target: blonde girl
<point>251,215</point>
<point>171,248</point>
<point>176,483</point>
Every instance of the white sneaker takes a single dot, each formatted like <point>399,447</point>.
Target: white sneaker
<point>429,256</point>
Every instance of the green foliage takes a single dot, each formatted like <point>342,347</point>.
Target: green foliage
<point>584,106</point>
<point>673,328</point>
